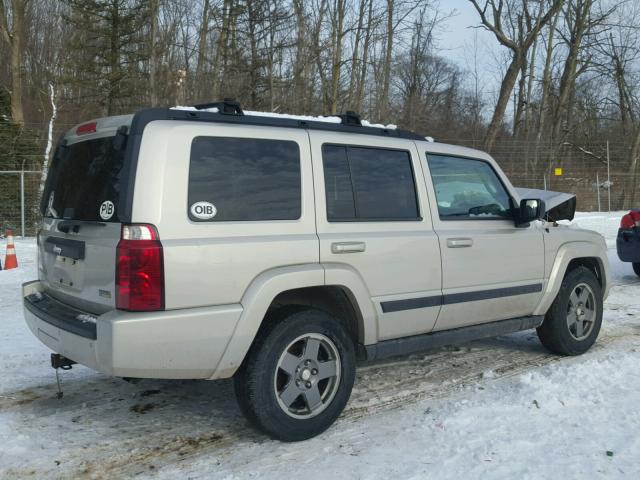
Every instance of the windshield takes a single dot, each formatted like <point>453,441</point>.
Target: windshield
<point>84,181</point>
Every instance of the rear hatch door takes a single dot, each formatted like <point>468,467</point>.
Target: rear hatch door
<point>81,225</point>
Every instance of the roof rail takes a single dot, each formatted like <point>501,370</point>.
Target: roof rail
<point>230,112</point>
<point>228,106</point>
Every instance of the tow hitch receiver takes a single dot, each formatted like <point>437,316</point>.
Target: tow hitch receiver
<point>59,362</point>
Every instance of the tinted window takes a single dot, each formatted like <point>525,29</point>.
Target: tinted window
<point>245,178</point>
<point>467,188</point>
<point>337,181</point>
<point>368,184</point>
<point>82,176</point>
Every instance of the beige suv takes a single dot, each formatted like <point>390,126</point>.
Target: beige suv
<point>208,242</point>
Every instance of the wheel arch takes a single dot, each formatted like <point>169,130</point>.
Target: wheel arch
<point>336,300</point>
<point>304,286</point>
<point>593,264</point>
<point>568,257</point>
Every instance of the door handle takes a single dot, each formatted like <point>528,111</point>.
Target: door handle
<point>459,242</point>
<point>347,247</point>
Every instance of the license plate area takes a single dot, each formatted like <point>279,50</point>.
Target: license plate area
<point>67,273</point>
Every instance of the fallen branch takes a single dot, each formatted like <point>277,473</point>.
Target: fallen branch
<point>586,152</point>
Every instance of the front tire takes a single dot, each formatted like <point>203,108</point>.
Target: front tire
<point>573,322</point>
<point>298,375</point>
<point>636,268</point>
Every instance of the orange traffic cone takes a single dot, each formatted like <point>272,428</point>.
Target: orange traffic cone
<point>10,261</point>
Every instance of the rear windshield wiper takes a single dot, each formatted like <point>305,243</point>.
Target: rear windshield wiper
<point>120,140</point>
<point>65,225</point>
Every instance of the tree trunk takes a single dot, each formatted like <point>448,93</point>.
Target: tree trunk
<point>337,37</point>
<point>114,61</point>
<point>16,41</point>
<point>355,62</point>
<point>202,52</point>
<point>546,81</point>
<point>153,67</point>
<point>47,151</point>
<point>316,47</point>
<point>253,48</point>
<point>365,60</point>
<point>529,96</point>
<point>634,170</point>
<point>506,87</point>
<point>386,69</point>
<point>220,59</point>
<point>521,100</point>
<point>300,60</point>
<point>567,82</point>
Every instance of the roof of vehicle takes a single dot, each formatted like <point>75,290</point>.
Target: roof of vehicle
<point>229,111</point>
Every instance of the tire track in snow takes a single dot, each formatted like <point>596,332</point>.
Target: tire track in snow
<point>156,439</point>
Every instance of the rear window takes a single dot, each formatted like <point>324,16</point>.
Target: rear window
<point>84,181</point>
<point>244,179</point>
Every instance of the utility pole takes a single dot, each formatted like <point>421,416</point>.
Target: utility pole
<point>22,200</point>
<point>608,177</point>
<point>598,190</point>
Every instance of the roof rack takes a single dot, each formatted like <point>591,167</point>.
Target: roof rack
<point>228,106</point>
<point>350,118</point>
<point>230,111</point>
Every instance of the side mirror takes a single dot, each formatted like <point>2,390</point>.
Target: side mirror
<point>530,209</point>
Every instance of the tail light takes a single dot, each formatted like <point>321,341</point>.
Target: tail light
<point>630,220</point>
<point>139,269</point>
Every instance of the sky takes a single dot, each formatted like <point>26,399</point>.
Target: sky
<point>472,49</point>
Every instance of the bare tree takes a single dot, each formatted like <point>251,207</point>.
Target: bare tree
<point>620,52</point>
<point>546,78</point>
<point>337,17</point>
<point>154,6</point>
<point>13,36</point>
<point>203,32</point>
<point>524,26</point>
<point>581,22</point>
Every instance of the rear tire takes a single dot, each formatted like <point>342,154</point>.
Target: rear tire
<point>636,268</point>
<point>297,376</point>
<point>573,322</point>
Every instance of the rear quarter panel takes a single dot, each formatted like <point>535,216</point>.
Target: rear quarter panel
<point>213,263</point>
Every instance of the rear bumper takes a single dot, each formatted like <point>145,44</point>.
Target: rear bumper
<point>628,245</point>
<point>185,343</point>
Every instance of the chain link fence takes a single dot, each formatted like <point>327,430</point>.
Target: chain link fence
<point>597,173</point>
<point>19,201</point>
<point>594,191</point>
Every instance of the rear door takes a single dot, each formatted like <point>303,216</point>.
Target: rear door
<point>491,269</point>
<point>80,230</point>
<point>373,218</point>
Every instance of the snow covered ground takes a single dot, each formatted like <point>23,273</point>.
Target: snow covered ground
<point>501,408</point>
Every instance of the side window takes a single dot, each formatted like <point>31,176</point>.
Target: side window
<point>368,184</point>
<point>337,183</point>
<point>244,179</point>
<point>467,189</point>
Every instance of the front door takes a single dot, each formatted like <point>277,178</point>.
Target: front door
<point>491,270</point>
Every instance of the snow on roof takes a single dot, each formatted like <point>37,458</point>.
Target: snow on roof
<point>308,118</point>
